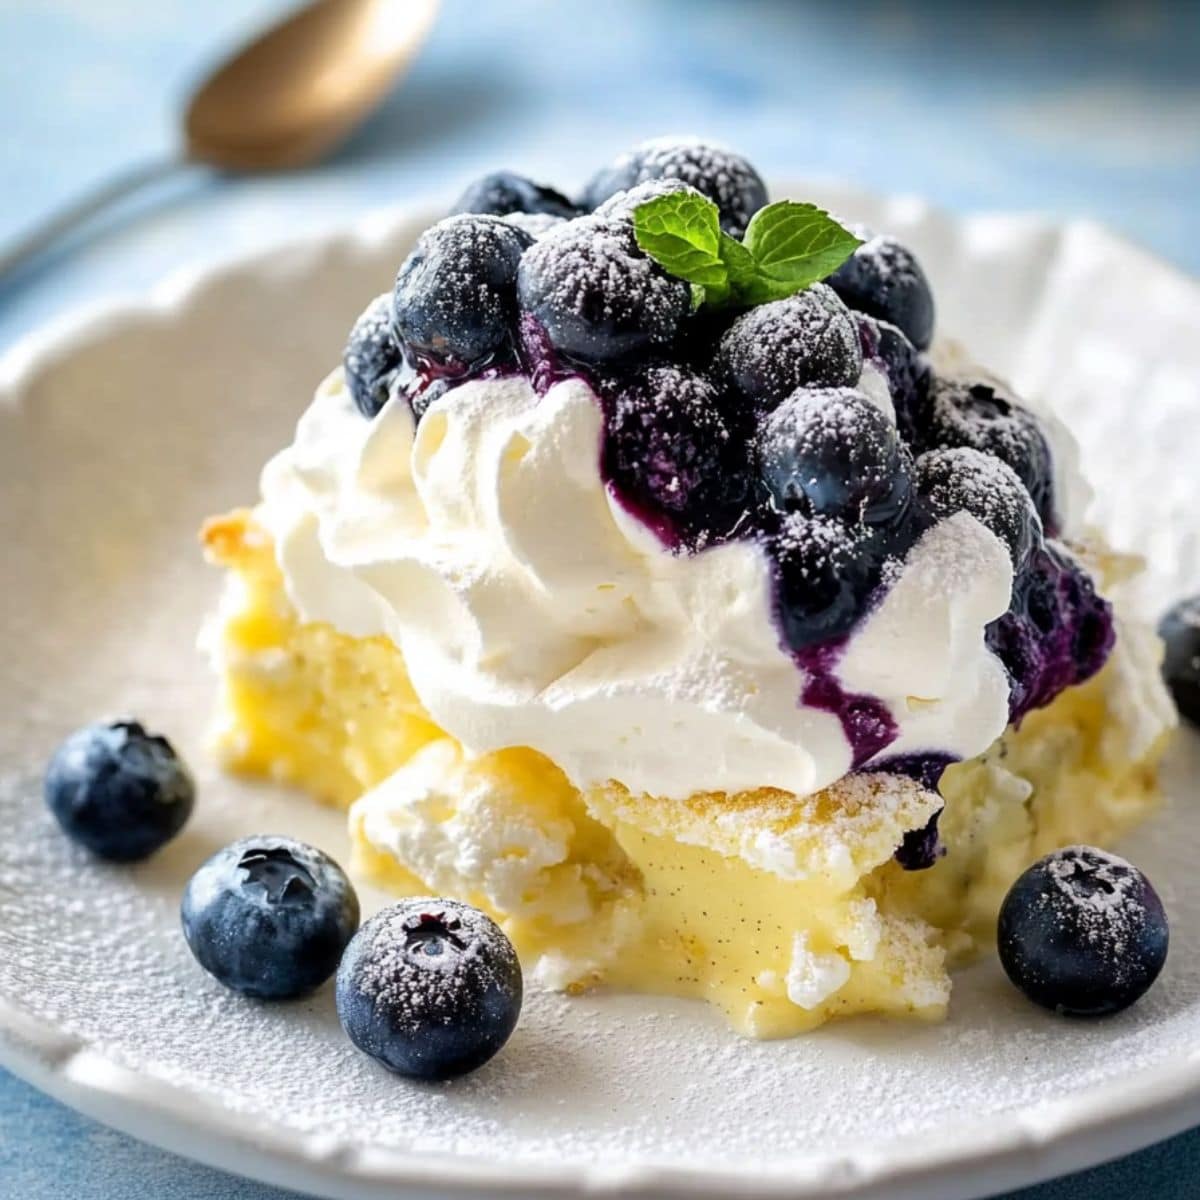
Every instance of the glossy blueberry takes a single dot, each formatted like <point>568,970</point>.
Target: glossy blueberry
<point>454,304</point>
<point>983,416</point>
<point>726,178</point>
<point>807,340</point>
<point>1180,631</point>
<point>1083,933</point>
<point>905,369</point>
<point>831,451</point>
<point>668,452</point>
<point>504,192</point>
<point>372,357</point>
<point>118,790</point>
<point>825,572</point>
<point>596,295</point>
<point>269,916</point>
<point>966,480</point>
<point>1058,630</point>
<point>430,988</point>
<point>883,279</point>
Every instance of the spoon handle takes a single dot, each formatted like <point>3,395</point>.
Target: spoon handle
<point>44,235</point>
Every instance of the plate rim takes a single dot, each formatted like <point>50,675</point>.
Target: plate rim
<point>1015,1149</point>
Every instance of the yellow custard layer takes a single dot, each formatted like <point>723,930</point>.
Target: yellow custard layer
<point>783,911</point>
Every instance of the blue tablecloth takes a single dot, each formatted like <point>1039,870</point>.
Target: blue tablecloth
<point>1070,108</point>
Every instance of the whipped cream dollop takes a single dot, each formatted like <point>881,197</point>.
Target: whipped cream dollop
<point>534,610</point>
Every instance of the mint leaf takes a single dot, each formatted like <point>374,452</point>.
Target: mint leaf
<point>797,245</point>
<point>682,233</point>
<point>787,247</point>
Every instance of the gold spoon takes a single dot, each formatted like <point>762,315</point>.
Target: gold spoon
<point>283,101</point>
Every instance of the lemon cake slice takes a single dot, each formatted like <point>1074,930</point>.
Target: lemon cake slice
<point>712,634</point>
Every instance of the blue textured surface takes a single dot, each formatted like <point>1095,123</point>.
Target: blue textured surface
<point>1071,108</point>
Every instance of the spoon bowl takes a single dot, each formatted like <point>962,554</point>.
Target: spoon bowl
<point>295,92</point>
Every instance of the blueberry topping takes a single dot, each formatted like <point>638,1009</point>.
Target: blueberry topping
<point>966,480</point>
<point>269,916</point>
<point>1083,933</point>
<point>883,279</point>
<point>727,179</point>
<point>372,357</point>
<point>118,790</point>
<point>668,451</point>
<point>598,297</point>
<point>454,304</point>
<point>535,224</point>
<point>825,573</point>
<point>622,205</point>
<point>429,988</point>
<point>832,451</point>
<point>985,417</point>
<point>1057,632</point>
<point>503,192</point>
<point>807,340</point>
<point>902,365</point>
<point>1180,631</point>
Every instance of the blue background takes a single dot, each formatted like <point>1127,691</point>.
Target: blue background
<point>1069,108</point>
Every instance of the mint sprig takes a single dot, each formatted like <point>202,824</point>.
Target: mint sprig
<point>787,247</point>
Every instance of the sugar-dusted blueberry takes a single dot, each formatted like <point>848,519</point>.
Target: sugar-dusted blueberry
<point>624,204</point>
<point>502,192</point>
<point>967,480</point>
<point>832,451</point>
<point>883,279</point>
<point>905,369</point>
<point>596,295</point>
<point>372,357</point>
<point>269,916</point>
<point>454,304</point>
<point>667,448</point>
<point>825,573</point>
<point>1083,932</point>
<point>981,414</point>
<point>807,340</point>
<point>118,790</point>
<point>535,224</point>
<point>726,178</point>
<point>1180,631</point>
<point>429,988</point>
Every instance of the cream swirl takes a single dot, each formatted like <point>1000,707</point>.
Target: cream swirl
<point>533,610</point>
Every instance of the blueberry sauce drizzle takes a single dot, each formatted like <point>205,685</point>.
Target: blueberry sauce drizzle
<point>1057,633</point>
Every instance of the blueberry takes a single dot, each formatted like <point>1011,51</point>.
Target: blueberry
<point>983,416</point>
<point>269,916</point>
<point>430,988</point>
<point>903,366</point>
<point>966,480</point>
<point>825,572</point>
<point>667,448</point>
<point>1057,632</point>
<point>535,224</point>
<point>504,192</point>
<point>118,790</point>
<point>372,357</point>
<point>1083,932</point>
<point>726,178</point>
<point>454,304</point>
<point>623,204</point>
<point>807,340</point>
<point>1180,631</point>
<point>883,279</point>
<point>598,297</point>
<point>831,451</point>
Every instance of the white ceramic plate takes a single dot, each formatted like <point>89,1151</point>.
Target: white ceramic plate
<point>120,431</point>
